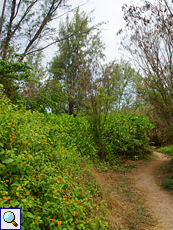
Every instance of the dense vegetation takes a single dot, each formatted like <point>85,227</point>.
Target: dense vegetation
<point>43,173</point>
<point>45,164</point>
<point>57,122</point>
<point>167,176</point>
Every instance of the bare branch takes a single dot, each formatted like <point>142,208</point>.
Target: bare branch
<point>2,17</point>
<point>59,40</point>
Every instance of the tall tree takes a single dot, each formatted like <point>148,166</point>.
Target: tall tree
<point>27,22</point>
<point>150,42</point>
<point>77,56</point>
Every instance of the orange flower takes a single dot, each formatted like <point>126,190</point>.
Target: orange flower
<point>76,213</point>
<point>53,220</point>
<point>62,191</point>
<point>21,163</point>
<point>71,184</point>
<point>77,221</point>
<point>36,222</point>
<point>54,192</point>
<point>4,197</point>
<point>19,196</point>
<point>27,193</point>
<point>36,171</point>
<point>41,177</point>
<point>32,176</point>
<point>59,222</point>
<point>24,142</point>
<point>7,180</point>
<point>9,201</point>
<point>13,125</point>
<point>37,178</point>
<point>7,174</point>
<point>26,155</point>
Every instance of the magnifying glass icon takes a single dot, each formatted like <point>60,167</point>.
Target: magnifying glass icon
<point>9,217</point>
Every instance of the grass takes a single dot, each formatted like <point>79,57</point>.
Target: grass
<point>166,150</point>
<point>128,208</point>
<point>167,171</point>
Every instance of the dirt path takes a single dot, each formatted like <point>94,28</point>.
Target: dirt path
<point>160,201</point>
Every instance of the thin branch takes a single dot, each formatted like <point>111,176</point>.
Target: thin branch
<point>43,24</point>
<point>69,11</point>
<point>17,8</point>
<point>168,7</point>
<point>59,40</point>
<point>24,15</point>
<point>2,16</point>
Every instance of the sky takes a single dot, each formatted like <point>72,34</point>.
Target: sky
<point>109,11</point>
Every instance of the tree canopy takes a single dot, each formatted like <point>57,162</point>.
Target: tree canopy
<point>76,57</point>
<point>149,39</point>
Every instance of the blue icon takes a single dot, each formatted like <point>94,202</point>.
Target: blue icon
<point>9,217</point>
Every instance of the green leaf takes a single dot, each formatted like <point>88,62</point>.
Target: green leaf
<point>28,214</point>
<point>9,160</point>
<point>16,184</point>
<point>14,203</point>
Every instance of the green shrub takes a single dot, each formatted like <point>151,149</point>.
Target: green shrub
<point>43,173</point>
<point>126,135</point>
<point>166,149</point>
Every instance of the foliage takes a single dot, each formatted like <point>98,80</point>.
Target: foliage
<point>53,97</point>
<point>126,135</point>
<point>13,76</point>
<point>96,112</point>
<point>166,149</point>
<point>149,41</point>
<point>29,20</point>
<point>167,176</point>
<point>76,57</point>
<point>160,134</point>
<point>49,181</point>
<point>118,78</point>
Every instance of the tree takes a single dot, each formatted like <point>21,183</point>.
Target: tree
<point>27,22</point>
<point>118,79</point>
<point>149,33</point>
<point>76,58</point>
<point>31,91</point>
<point>96,110</point>
<point>13,76</point>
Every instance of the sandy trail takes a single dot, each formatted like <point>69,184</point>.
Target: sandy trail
<point>159,200</point>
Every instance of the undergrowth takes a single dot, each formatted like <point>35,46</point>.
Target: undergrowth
<point>49,180</point>
<point>167,171</point>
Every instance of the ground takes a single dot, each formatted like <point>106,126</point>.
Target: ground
<point>159,200</point>
<point>136,200</point>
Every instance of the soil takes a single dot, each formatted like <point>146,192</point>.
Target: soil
<point>160,201</point>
